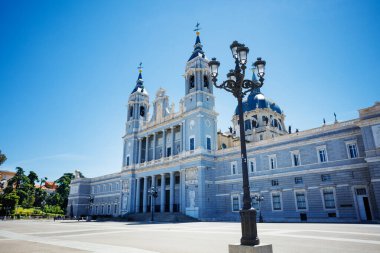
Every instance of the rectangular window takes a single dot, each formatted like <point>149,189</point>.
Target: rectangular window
<point>233,168</point>
<point>102,209</point>
<point>109,209</point>
<point>296,159</point>
<point>322,154</point>
<point>235,203</point>
<point>301,200</point>
<point>276,201</point>
<point>298,180</point>
<point>328,198</point>
<point>272,162</point>
<point>275,182</point>
<point>252,165</point>
<point>168,152</point>
<point>127,160</point>
<point>115,209</point>
<point>96,209</point>
<point>192,143</point>
<point>361,191</point>
<point>325,177</point>
<point>352,150</point>
<point>208,143</point>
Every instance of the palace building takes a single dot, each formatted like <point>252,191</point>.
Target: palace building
<point>326,174</point>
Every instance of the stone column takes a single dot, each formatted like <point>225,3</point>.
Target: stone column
<point>137,209</point>
<point>152,200</point>
<point>162,193</point>
<point>146,148</point>
<point>154,146</point>
<point>139,151</point>
<point>154,181</point>
<point>182,187</point>
<point>172,128</point>
<point>183,144</point>
<point>145,194</point>
<point>164,143</point>
<point>172,189</point>
<point>182,137</point>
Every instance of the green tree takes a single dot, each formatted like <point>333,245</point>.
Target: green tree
<point>64,189</point>
<point>3,158</point>
<point>9,202</point>
<point>39,193</point>
<point>39,197</point>
<point>18,179</point>
<point>23,187</point>
<point>33,177</point>
<point>53,199</point>
<point>42,181</point>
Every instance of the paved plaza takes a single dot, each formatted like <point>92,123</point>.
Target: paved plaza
<point>207,237</point>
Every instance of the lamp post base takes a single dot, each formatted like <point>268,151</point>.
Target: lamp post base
<point>236,248</point>
<point>249,228</point>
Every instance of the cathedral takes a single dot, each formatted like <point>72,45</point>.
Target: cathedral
<point>326,174</point>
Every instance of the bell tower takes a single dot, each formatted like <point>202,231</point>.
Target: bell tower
<point>198,86</point>
<point>138,108</point>
<point>199,124</point>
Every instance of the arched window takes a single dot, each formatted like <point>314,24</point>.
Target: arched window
<point>142,111</point>
<point>192,82</point>
<point>130,111</point>
<point>205,81</point>
<point>255,122</point>
<point>247,125</point>
<point>265,120</point>
<point>274,123</point>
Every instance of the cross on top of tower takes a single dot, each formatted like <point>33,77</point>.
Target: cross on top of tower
<point>140,67</point>
<point>197,28</point>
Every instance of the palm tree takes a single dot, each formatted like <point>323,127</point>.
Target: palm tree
<point>3,158</point>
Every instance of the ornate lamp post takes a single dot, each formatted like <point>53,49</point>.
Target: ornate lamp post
<point>239,88</point>
<point>259,199</point>
<point>153,193</point>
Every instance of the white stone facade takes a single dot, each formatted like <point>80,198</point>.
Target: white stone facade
<point>330,173</point>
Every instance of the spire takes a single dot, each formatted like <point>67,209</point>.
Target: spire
<point>140,82</point>
<point>198,45</point>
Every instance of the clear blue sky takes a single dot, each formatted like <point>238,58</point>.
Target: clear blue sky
<point>68,67</point>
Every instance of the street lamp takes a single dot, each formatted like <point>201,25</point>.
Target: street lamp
<point>239,87</point>
<point>153,193</point>
<point>258,199</point>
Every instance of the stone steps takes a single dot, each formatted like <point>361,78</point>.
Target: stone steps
<point>161,217</point>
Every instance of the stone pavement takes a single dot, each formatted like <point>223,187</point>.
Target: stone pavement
<point>199,237</point>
